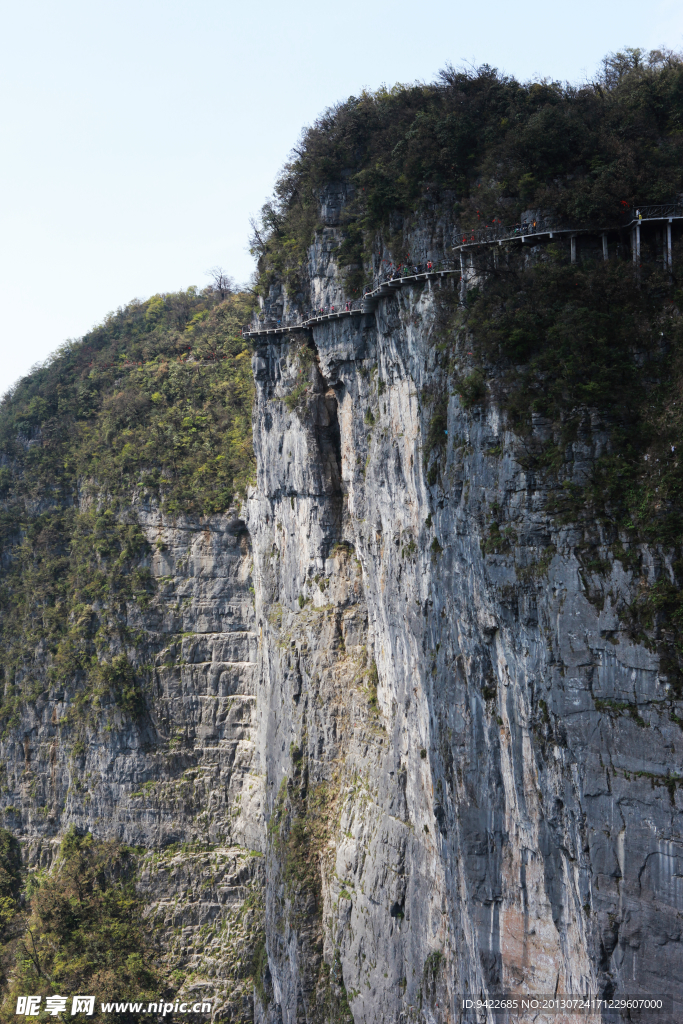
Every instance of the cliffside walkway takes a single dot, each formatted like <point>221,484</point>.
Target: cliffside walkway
<point>495,235</point>
<point>289,325</point>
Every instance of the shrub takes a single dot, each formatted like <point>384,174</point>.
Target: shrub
<point>85,931</point>
<point>482,146</point>
<point>121,414</point>
<point>471,389</point>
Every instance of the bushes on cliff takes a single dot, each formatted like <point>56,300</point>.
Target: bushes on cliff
<point>159,397</point>
<point>85,934</point>
<point>592,351</point>
<point>153,405</point>
<point>574,342</point>
<point>487,147</point>
<point>10,875</point>
<point>10,901</point>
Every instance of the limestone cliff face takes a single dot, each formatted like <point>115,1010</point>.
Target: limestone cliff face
<point>397,746</point>
<point>457,801</point>
<point>178,780</point>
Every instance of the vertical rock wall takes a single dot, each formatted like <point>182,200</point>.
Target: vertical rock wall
<point>460,795</point>
<point>177,780</point>
<point>394,714</point>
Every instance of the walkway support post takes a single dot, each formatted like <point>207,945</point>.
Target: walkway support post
<point>635,245</point>
<point>573,242</point>
<point>605,253</point>
<point>669,257</point>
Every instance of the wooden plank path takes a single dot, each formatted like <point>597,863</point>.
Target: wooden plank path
<point>664,214</point>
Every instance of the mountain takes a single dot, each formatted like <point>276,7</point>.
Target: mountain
<point>341,657</point>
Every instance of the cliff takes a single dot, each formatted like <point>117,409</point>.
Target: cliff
<point>379,692</point>
<point>461,732</point>
<point>129,644</point>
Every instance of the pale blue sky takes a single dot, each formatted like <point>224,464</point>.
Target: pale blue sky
<point>137,138</point>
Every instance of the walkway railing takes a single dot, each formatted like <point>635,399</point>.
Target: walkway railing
<point>497,230</point>
<point>658,212</point>
<point>401,271</point>
<point>300,319</point>
<point>392,275</point>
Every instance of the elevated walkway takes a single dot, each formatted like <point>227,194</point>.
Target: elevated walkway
<point>365,305</point>
<point>632,225</point>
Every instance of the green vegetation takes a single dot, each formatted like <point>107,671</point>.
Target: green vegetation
<point>372,685</point>
<point>336,1008</point>
<point>489,689</point>
<point>158,398</point>
<point>153,405</point>
<point>81,930</point>
<point>617,707</point>
<point>432,965</point>
<point>591,348</point>
<point>260,966</point>
<point>305,357</point>
<point>471,389</point>
<point>299,829</point>
<point>434,446</point>
<point>484,146</point>
<point>435,548</point>
<point>10,906</point>
<point>498,542</point>
<point>562,338</point>
<point>587,348</point>
<point>536,570</point>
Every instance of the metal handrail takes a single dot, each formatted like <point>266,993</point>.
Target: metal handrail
<point>655,212</point>
<point>411,271</point>
<point>498,230</point>
<point>301,319</point>
<point>402,270</point>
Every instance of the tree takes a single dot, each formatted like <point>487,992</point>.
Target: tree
<point>222,283</point>
<point>86,932</point>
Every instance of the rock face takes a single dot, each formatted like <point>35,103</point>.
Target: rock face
<point>470,784</point>
<point>178,779</point>
<point>398,748</point>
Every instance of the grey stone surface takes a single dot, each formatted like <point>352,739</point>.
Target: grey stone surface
<point>413,759</point>
<point>490,827</point>
<point>180,780</point>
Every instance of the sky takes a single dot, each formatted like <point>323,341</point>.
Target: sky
<point>139,137</point>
